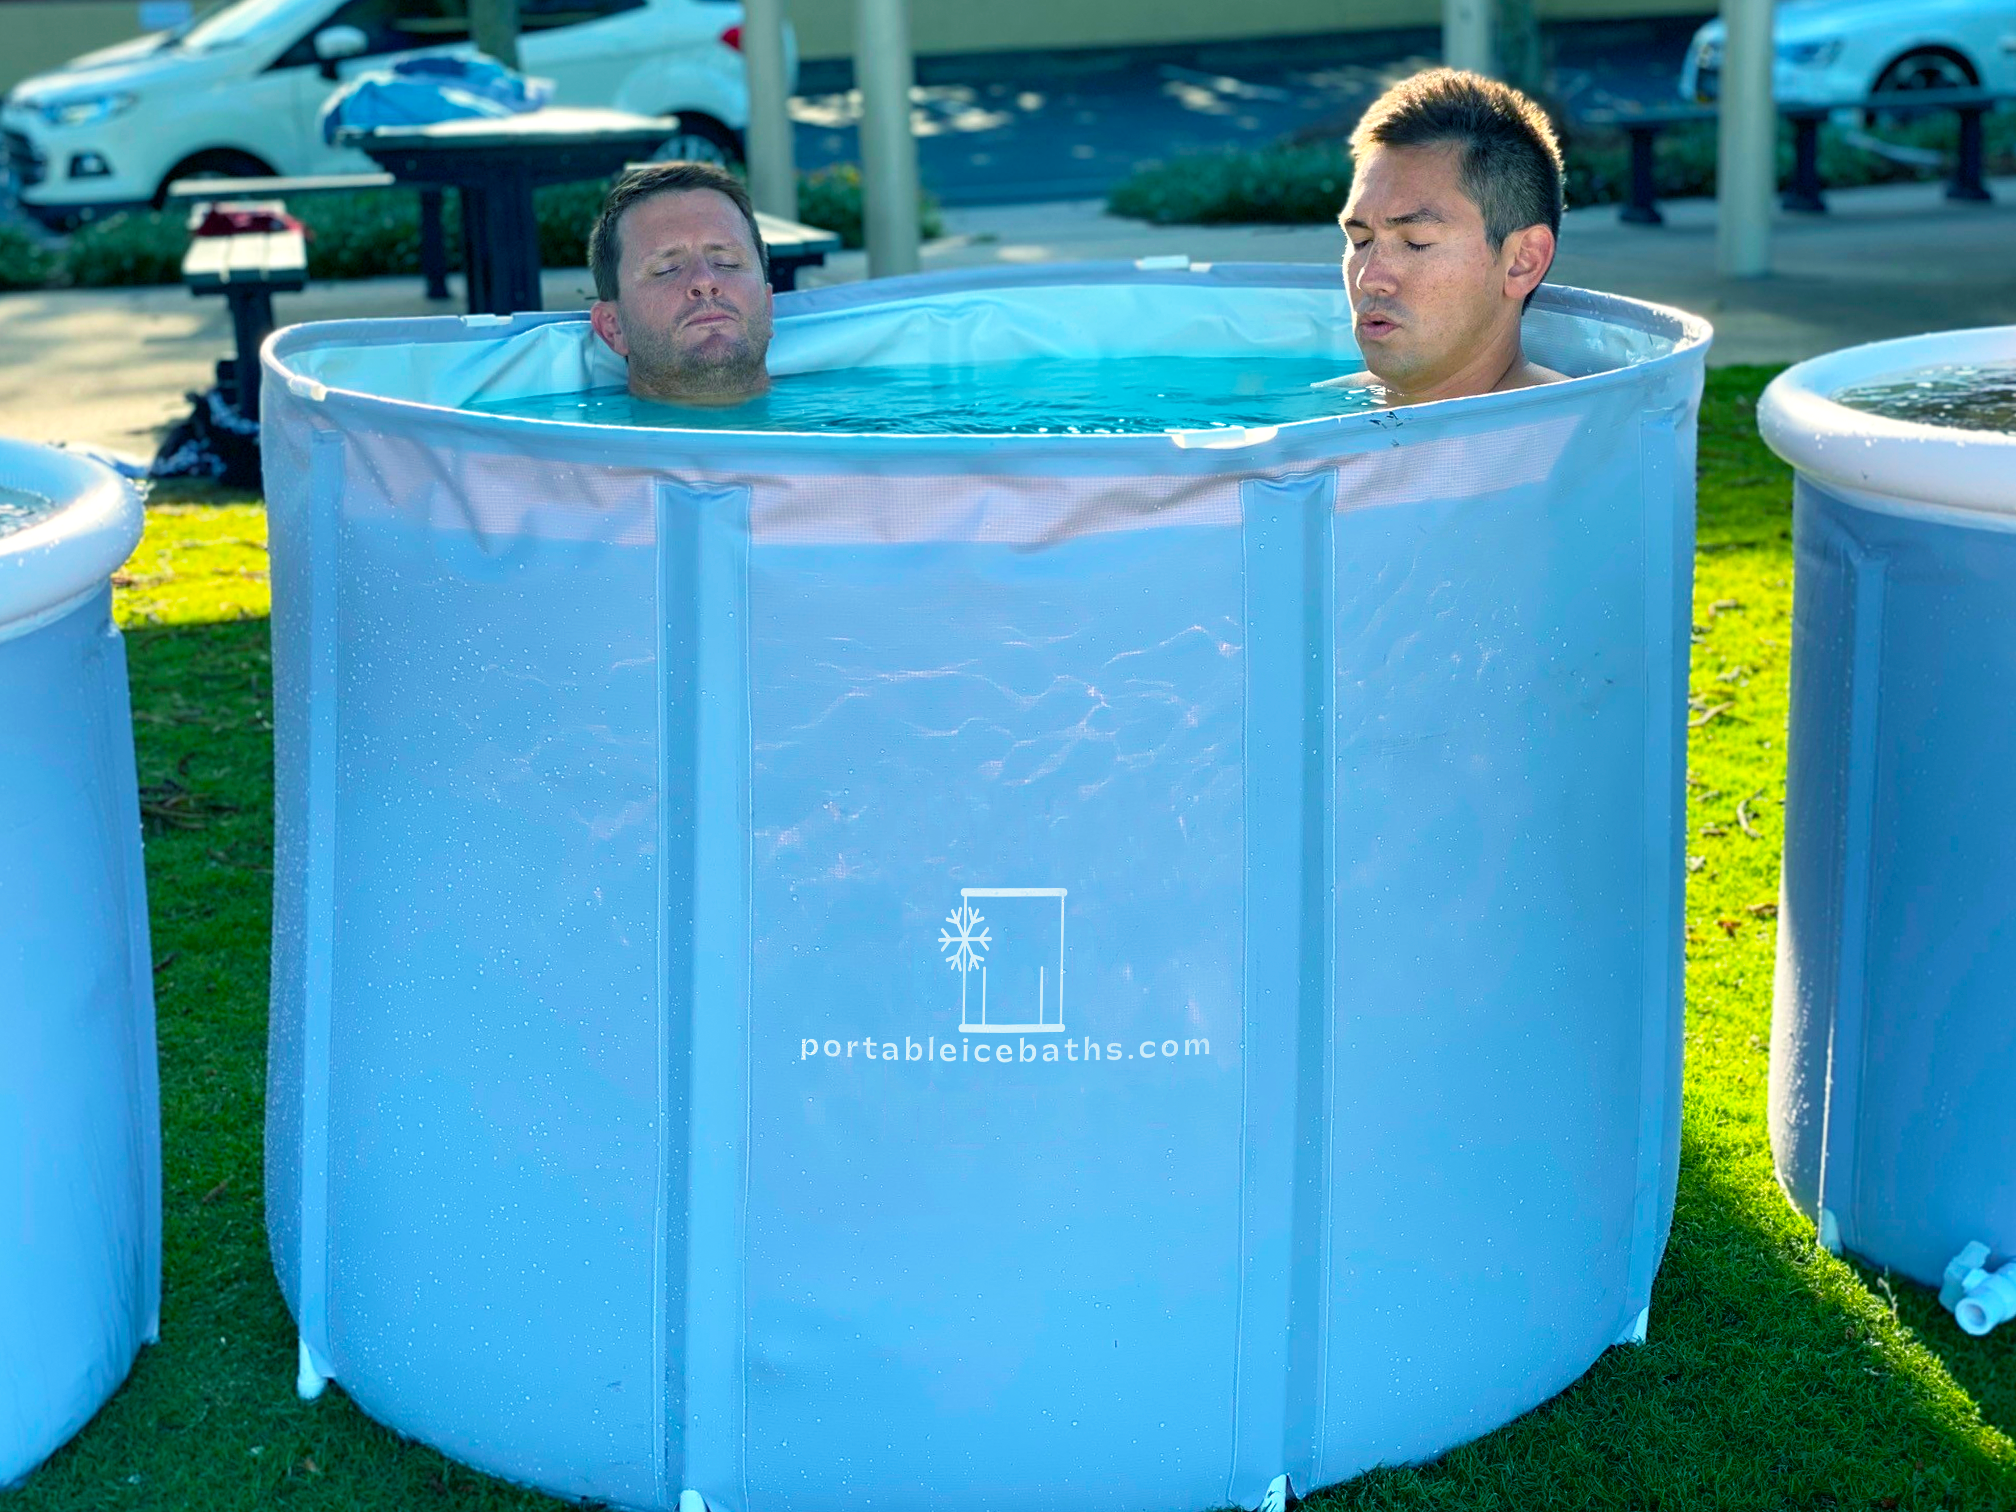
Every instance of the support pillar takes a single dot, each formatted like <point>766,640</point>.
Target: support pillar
<point>883,70</point>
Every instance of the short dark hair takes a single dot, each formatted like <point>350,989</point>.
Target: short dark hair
<point>1511,162</point>
<point>648,181</point>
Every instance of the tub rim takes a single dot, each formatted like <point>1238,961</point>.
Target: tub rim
<point>1903,466</point>
<point>50,567</point>
<point>1140,454</point>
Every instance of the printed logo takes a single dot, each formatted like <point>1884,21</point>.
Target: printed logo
<point>1027,962</point>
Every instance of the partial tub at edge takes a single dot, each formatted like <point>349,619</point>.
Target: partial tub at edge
<point>631,788</point>
<point>80,1144</point>
<point>1893,1042</point>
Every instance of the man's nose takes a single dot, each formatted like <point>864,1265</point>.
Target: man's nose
<point>1375,271</point>
<point>704,282</point>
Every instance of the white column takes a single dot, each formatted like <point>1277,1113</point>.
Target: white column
<point>1746,170</point>
<point>1466,35</point>
<point>773,175</point>
<point>888,149</point>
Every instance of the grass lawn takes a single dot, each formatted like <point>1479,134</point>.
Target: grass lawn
<point>1776,1376</point>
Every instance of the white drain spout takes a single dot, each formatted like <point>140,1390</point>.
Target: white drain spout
<point>1979,1298</point>
<point>1991,1301</point>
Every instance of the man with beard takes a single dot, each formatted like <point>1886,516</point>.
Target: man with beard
<point>683,284</point>
<point>1454,210</point>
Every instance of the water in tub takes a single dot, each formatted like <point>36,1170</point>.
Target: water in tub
<point>19,509</point>
<point>1978,396</point>
<point>1045,396</point>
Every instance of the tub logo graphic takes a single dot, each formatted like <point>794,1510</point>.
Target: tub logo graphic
<point>1021,947</point>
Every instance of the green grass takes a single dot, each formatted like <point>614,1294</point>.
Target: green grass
<point>1776,1376</point>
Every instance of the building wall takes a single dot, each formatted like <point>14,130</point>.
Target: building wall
<point>36,35</point>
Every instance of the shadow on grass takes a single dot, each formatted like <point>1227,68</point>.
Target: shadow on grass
<point>1772,1379</point>
<point>1984,1368</point>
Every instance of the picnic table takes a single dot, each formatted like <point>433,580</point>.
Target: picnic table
<point>248,268</point>
<point>1804,191</point>
<point>495,164</point>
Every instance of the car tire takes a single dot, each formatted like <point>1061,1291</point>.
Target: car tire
<point>701,139</point>
<point>221,162</point>
<point>1922,68</point>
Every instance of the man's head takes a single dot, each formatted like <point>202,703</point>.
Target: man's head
<point>683,283</point>
<point>1454,211</point>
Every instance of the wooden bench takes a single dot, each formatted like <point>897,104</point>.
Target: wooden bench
<point>248,268</point>
<point>433,244</point>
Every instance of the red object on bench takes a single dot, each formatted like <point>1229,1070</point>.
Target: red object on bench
<point>223,222</point>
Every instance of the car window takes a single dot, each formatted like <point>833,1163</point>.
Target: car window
<point>227,25</point>
<point>545,15</point>
<point>391,26</point>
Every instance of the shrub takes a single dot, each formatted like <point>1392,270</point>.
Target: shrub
<point>1306,184</point>
<point>24,264</point>
<point>830,198</point>
<point>143,247</point>
<point>1288,184</point>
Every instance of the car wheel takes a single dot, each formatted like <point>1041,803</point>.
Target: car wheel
<point>1921,68</point>
<point>701,139</point>
<point>221,163</point>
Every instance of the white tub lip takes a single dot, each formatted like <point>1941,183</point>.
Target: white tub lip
<point>1904,463</point>
<point>62,559</point>
<point>1148,453</point>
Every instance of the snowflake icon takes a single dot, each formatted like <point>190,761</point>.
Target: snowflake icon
<point>964,937</point>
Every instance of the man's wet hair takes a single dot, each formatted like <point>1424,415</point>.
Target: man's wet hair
<point>648,181</point>
<point>1511,162</point>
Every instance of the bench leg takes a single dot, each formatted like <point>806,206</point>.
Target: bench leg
<point>433,245</point>
<point>1967,182</point>
<point>1642,209</point>
<point>1803,193</point>
<point>251,324</point>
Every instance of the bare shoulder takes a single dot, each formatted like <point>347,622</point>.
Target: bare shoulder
<point>1530,375</point>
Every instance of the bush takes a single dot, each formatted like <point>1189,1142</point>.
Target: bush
<point>23,262</point>
<point>144,247</point>
<point>1281,185</point>
<point>375,233</point>
<point>830,199</point>
<point>1308,184</point>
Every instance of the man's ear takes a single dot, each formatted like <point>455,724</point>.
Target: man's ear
<point>609,326</point>
<point>1531,255</point>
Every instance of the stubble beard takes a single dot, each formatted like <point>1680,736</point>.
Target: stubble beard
<point>712,371</point>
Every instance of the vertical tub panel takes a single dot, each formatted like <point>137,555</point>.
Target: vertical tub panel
<point>1919,1152</point>
<point>704,601</point>
<point>1289,572</point>
<point>1490,748</point>
<point>969,1248</point>
<point>79,1121</point>
<point>1837,611</point>
<point>494,1057</point>
<point>286,455</point>
<point>1666,452</point>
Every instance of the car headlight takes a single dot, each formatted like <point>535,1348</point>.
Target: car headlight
<point>87,110</point>
<point>1809,54</point>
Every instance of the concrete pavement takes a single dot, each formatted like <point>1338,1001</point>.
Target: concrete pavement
<point>110,367</point>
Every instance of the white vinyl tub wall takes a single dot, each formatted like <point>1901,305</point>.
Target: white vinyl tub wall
<point>1893,1043</point>
<point>80,1150</point>
<point>655,806</point>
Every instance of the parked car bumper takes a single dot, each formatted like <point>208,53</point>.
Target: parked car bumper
<point>65,178</point>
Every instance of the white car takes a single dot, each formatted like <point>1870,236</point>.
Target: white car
<point>236,93</point>
<point>1839,51</point>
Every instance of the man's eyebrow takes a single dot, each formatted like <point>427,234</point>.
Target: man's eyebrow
<point>1426,215</point>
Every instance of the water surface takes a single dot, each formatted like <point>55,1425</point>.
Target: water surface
<point>1978,396</point>
<point>19,509</point>
<point>1042,396</point>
